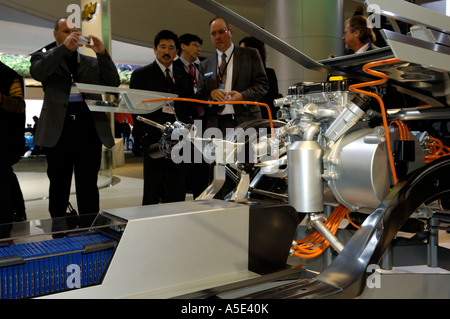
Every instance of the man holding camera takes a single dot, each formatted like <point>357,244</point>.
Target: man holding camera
<point>71,135</point>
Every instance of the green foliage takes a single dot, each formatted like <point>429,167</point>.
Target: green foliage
<point>21,64</point>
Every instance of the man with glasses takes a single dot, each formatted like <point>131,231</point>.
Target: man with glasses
<point>189,53</point>
<point>231,74</point>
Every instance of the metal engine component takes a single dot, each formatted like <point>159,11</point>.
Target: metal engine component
<point>353,112</point>
<point>305,176</point>
<point>357,171</point>
<point>328,133</point>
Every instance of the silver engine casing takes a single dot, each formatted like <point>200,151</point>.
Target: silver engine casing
<point>357,171</point>
<point>330,146</point>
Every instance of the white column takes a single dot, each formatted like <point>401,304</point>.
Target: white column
<point>313,27</point>
<point>99,25</point>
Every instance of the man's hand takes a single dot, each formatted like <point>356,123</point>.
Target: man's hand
<point>219,95</point>
<point>97,45</point>
<point>235,96</point>
<point>71,41</point>
<point>222,95</point>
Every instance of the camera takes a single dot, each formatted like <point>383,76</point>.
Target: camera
<point>84,40</point>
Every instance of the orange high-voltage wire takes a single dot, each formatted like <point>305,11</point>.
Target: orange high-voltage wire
<point>383,79</point>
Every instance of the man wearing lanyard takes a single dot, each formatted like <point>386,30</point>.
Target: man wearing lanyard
<point>189,53</point>
<point>232,74</point>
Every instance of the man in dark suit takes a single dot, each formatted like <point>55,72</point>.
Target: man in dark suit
<point>236,76</point>
<point>164,181</point>
<point>273,93</point>
<point>190,46</point>
<point>12,116</point>
<point>71,135</point>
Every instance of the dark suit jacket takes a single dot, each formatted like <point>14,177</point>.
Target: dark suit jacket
<point>249,78</point>
<point>151,78</point>
<point>179,64</point>
<point>271,95</point>
<point>51,69</point>
<point>12,123</point>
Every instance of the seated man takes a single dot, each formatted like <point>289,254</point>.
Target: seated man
<point>358,36</point>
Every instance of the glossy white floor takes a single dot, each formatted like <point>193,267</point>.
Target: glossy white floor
<point>124,191</point>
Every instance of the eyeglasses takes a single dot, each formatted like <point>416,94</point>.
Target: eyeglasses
<point>197,45</point>
<point>220,33</point>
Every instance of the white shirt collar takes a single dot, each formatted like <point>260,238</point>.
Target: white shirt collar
<point>363,48</point>
<point>163,68</point>
<point>228,52</point>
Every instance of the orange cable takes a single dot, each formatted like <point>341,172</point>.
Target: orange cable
<point>305,247</point>
<point>383,79</point>
<point>400,130</point>
<point>403,130</point>
<point>181,99</point>
<point>437,150</point>
<point>350,221</point>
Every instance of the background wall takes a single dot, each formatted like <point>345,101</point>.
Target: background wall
<point>26,25</point>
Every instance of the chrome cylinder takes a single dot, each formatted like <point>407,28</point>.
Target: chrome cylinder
<point>305,188</point>
<point>327,234</point>
<point>433,242</point>
<point>351,114</point>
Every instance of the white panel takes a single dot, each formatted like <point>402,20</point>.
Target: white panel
<point>174,244</point>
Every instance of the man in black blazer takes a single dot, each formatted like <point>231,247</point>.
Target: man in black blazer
<point>71,135</point>
<point>12,116</point>
<point>164,181</point>
<point>190,46</point>
<point>239,76</point>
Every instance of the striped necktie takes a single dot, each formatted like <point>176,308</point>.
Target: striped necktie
<point>223,69</point>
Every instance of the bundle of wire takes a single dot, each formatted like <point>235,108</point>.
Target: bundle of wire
<point>315,244</point>
<point>402,129</point>
<point>437,149</point>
